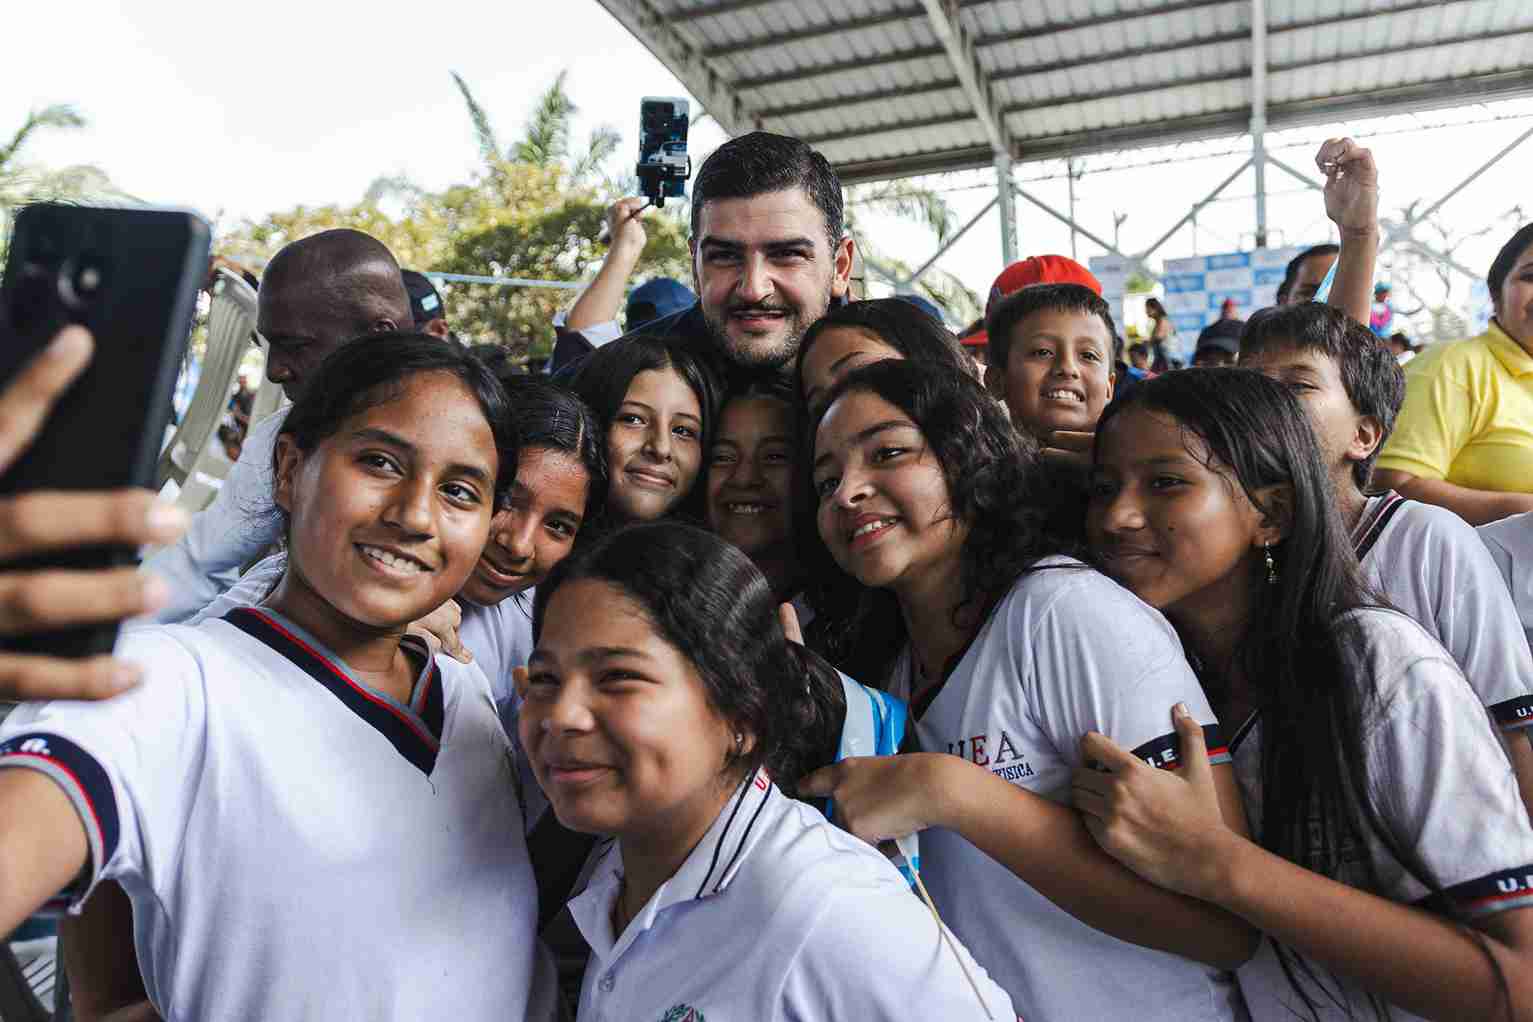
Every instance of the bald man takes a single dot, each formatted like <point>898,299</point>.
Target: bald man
<point>317,294</point>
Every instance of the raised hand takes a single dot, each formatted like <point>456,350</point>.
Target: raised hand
<point>1351,186</point>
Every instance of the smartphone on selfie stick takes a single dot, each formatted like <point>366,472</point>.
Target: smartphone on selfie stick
<point>131,277</point>
<point>664,165</point>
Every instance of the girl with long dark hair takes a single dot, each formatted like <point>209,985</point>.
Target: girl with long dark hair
<point>1391,854</point>
<point>658,405</point>
<point>1012,651</point>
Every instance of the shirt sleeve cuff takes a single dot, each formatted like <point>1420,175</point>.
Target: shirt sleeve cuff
<point>88,788</point>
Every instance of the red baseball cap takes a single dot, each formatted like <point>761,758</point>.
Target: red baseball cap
<point>1044,269</point>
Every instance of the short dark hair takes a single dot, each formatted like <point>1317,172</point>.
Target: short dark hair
<point>1374,382</point>
<point>1507,258</point>
<point>1292,272</point>
<point>762,162</point>
<point>902,325</point>
<point>707,599</point>
<point>1019,305</point>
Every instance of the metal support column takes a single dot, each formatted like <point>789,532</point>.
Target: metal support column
<point>1259,114</point>
<point>1008,204</point>
<point>1070,176</point>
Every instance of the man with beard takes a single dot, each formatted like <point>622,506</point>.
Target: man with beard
<point>769,255</point>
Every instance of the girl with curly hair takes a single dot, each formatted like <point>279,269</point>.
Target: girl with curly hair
<point>1013,650</point>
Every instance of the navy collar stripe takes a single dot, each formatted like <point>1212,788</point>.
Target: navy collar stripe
<point>1370,531</point>
<point>417,740</point>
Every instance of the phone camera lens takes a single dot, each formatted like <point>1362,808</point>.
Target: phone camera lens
<point>79,281</point>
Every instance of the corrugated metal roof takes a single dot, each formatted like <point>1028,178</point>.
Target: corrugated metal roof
<point>872,84</point>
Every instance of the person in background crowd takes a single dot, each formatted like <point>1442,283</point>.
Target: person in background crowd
<point>1306,272</point>
<point>1465,436</point>
<point>655,299</point>
<point>770,255</point>
<point>427,310</point>
<point>1363,749</point>
<point>1219,343</point>
<point>1139,357</point>
<point>1423,559</point>
<point>1162,336</point>
<point>867,331</point>
<point>663,707</point>
<point>318,293</point>
<point>1003,650</point>
<point>386,474</point>
<point>1051,358</point>
<point>1381,319</point>
<point>1401,347</point>
<point>658,406</point>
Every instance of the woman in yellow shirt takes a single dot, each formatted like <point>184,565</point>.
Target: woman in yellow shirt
<point>1464,439</point>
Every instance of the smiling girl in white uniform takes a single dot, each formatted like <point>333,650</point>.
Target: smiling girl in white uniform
<point>1392,855</point>
<point>927,493</point>
<point>312,817</point>
<point>664,706</point>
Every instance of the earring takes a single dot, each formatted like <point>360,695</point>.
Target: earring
<point>739,741</point>
<point>1272,573</point>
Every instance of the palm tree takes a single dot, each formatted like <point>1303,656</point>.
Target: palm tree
<point>910,201</point>
<point>22,183</point>
<point>545,141</point>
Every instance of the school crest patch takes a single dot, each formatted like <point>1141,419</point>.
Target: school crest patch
<point>683,1013</point>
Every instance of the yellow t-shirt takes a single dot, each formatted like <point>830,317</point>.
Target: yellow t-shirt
<point>1468,416</point>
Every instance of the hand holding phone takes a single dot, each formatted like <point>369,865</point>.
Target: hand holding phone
<point>41,522</point>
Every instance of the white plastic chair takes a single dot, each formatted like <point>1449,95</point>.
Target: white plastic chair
<point>189,460</point>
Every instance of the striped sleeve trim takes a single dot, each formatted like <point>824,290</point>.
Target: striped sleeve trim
<point>81,777</point>
<point>1513,714</point>
<point>1498,892</point>
<point>1164,753</point>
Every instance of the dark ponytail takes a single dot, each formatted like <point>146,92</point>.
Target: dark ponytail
<point>709,601</point>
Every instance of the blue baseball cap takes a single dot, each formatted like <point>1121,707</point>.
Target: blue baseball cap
<point>656,298</point>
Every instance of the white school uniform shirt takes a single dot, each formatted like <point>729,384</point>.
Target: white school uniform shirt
<point>295,843</point>
<point>1065,652</point>
<point>1510,542</point>
<point>1431,566</point>
<point>499,636</point>
<point>1431,753</point>
<point>227,534</point>
<point>776,915</point>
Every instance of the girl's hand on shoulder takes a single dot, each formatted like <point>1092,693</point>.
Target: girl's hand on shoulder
<point>881,798</point>
<point>1165,825</point>
<point>440,630</point>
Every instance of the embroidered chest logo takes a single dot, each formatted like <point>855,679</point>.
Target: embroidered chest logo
<point>1001,758</point>
<point>683,1013</point>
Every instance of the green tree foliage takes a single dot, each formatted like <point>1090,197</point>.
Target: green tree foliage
<point>532,209</point>
<point>22,183</point>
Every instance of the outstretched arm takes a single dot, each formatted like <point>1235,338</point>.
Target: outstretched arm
<point>603,299</point>
<point>42,843</point>
<point>1352,203</point>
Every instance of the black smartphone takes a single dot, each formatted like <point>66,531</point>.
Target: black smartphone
<point>131,276</point>
<point>664,165</point>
